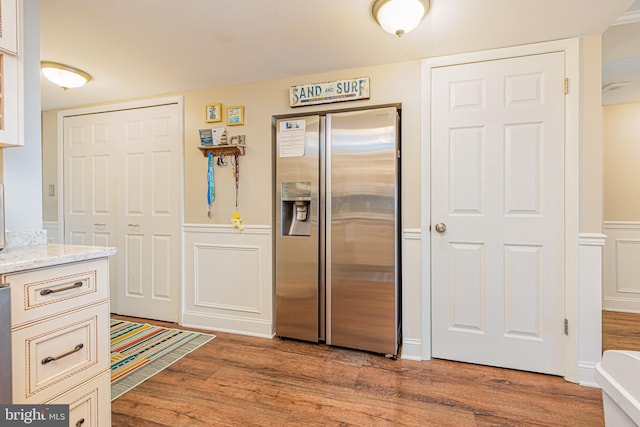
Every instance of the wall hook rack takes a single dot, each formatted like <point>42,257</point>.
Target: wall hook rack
<point>222,150</point>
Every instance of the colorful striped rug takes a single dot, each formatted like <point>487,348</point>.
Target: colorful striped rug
<point>139,351</point>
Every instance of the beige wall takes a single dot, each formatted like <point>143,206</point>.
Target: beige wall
<point>49,165</point>
<point>392,83</point>
<point>591,191</point>
<point>395,83</point>
<point>621,162</point>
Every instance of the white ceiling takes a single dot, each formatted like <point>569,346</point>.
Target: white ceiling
<point>621,58</point>
<point>142,48</point>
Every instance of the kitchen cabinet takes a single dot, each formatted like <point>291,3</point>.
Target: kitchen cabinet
<point>60,329</point>
<point>11,90</point>
<point>11,72</point>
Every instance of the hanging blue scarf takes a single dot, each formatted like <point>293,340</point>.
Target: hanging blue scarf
<point>211,188</point>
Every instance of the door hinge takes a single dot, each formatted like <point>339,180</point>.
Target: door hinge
<point>566,85</point>
<point>566,326</point>
<point>398,153</point>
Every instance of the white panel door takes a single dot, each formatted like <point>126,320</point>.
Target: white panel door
<point>497,186</point>
<point>123,188</point>
<point>90,203</point>
<point>149,268</point>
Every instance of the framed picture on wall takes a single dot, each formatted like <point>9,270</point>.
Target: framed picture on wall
<point>235,115</point>
<point>9,26</point>
<point>213,113</point>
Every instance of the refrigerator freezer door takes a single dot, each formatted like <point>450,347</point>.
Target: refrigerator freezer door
<point>297,247</point>
<point>362,280</point>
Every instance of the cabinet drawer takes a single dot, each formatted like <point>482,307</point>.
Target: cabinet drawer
<point>42,293</point>
<point>89,403</point>
<point>52,356</point>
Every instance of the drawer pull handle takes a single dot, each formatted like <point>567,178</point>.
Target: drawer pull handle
<point>66,288</point>
<point>51,358</point>
<point>80,422</point>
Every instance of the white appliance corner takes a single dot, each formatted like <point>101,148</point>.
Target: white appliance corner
<point>228,279</point>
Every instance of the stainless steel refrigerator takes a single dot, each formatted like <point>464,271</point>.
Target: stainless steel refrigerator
<point>337,218</point>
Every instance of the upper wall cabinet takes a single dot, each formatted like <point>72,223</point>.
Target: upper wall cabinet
<point>9,26</point>
<point>10,73</point>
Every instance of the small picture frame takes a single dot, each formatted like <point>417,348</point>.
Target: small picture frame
<point>238,140</point>
<point>235,115</point>
<point>213,113</point>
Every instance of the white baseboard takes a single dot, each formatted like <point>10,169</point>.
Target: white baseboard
<point>411,349</point>
<point>230,324</point>
<point>587,375</point>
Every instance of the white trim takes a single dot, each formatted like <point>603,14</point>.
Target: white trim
<point>589,327</point>
<point>623,225</point>
<point>411,349</point>
<point>624,305</point>
<point>226,228</point>
<point>586,375</point>
<point>628,18</point>
<point>411,306</point>
<point>412,234</point>
<point>571,50</point>
<point>592,239</point>
<point>425,170</point>
<point>230,324</point>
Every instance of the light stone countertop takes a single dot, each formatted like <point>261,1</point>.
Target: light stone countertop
<point>35,256</point>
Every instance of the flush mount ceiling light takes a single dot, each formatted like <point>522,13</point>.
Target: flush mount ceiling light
<point>615,86</point>
<point>399,16</point>
<point>63,75</point>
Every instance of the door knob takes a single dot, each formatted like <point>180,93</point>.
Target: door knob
<point>441,227</point>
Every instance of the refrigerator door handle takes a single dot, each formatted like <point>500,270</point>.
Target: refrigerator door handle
<point>327,222</point>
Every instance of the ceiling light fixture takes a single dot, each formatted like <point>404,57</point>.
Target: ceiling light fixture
<point>399,16</point>
<point>615,86</point>
<point>63,75</point>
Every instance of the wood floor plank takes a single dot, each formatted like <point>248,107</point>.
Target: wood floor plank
<point>245,381</point>
<point>620,331</point>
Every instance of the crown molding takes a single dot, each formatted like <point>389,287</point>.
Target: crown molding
<point>629,17</point>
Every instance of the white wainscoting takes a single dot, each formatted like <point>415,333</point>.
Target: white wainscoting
<point>411,295</point>
<point>228,279</point>
<point>51,227</point>
<point>622,266</point>
<point>589,328</point>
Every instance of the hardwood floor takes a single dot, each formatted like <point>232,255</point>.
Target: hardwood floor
<point>620,331</point>
<point>244,381</point>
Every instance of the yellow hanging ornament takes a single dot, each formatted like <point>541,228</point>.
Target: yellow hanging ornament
<point>236,221</point>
